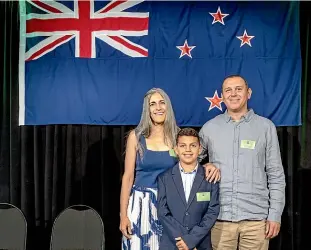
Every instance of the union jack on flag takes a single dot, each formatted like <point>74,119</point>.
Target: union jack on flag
<point>85,22</point>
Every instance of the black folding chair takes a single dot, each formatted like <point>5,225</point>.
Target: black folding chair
<point>78,227</point>
<point>13,228</point>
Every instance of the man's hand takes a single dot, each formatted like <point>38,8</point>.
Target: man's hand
<point>272,229</point>
<point>181,245</point>
<point>211,173</point>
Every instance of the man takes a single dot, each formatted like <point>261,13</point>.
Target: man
<point>188,205</point>
<point>244,146</point>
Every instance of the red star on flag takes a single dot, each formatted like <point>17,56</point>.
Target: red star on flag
<point>218,16</point>
<point>185,49</point>
<point>245,39</point>
<point>215,101</point>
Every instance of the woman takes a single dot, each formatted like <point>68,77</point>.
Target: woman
<point>149,152</point>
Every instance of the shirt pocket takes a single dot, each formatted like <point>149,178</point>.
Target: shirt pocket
<point>252,161</point>
<point>251,145</point>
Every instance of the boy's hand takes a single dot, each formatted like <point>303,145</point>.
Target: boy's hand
<point>181,245</point>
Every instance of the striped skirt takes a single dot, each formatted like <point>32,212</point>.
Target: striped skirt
<point>142,212</point>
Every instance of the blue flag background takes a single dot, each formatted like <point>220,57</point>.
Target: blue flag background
<point>60,88</point>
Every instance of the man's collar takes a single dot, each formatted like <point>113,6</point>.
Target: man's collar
<point>247,117</point>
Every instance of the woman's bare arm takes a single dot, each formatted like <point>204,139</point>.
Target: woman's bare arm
<point>127,183</point>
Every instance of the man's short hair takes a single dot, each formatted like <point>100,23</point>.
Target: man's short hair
<point>233,76</point>
<point>187,132</point>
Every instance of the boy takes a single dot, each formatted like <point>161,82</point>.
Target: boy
<point>188,205</point>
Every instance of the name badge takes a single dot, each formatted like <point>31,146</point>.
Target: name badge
<point>248,144</point>
<point>204,196</point>
<point>172,153</point>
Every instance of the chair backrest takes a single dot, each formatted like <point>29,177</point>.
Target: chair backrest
<point>13,228</point>
<point>78,227</point>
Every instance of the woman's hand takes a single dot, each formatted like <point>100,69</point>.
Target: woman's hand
<point>125,227</point>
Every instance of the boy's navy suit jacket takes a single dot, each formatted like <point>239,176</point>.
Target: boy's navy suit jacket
<point>192,220</point>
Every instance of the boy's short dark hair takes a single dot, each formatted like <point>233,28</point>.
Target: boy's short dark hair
<point>187,132</point>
